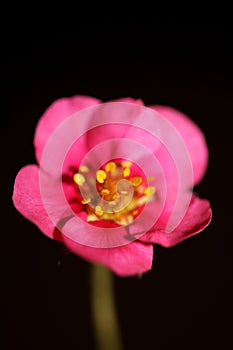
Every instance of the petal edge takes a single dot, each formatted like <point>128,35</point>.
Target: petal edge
<point>128,260</point>
<point>27,199</point>
<point>193,137</point>
<point>197,218</point>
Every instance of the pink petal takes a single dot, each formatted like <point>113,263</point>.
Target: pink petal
<point>192,136</point>
<point>127,260</point>
<point>129,100</point>
<point>55,114</point>
<point>126,129</point>
<point>196,219</point>
<point>27,199</point>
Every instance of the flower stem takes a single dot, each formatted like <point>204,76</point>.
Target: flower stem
<point>107,332</point>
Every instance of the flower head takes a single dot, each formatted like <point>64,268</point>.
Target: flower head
<point>112,179</point>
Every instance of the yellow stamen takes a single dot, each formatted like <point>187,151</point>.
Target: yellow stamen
<point>98,210</point>
<point>126,164</point>
<point>126,172</point>
<point>136,181</point>
<point>101,176</point>
<point>142,201</point>
<point>86,201</point>
<point>125,220</point>
<point>114,183</point>
<point>115,196</point>
<point>140,189</point>
<point>110,167</point>
<point>84,169</point>
<point>105,192</point>
<point>149,191</point>
<point>79,179</point>
<point>91,217</point>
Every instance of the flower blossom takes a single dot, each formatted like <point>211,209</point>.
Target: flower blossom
<point>114,196</point>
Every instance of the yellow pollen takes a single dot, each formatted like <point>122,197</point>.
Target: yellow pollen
<point>105,192</point>
<point>142,201</point>
<point>101,176</point>
<point>136,181</point>
<point>120,195</point>
<point>149,191</point>
<point>79,179</point>
<point>115,196</point>
<point>91,217</point>
<point>126,164</point>
<point>110,167</point>
<point>125,220</point>
<point>84,169</point>
<point>126,172</point>
<point>98,210</point>
<point>86,201</point>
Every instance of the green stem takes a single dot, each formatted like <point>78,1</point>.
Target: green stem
<point>107,332</point>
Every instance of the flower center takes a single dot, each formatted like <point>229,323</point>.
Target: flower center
<point>117,192</point>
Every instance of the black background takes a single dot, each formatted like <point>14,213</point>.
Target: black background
<point>185,302</point>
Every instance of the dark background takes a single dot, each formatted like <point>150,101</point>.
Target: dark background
<point>185,302</point>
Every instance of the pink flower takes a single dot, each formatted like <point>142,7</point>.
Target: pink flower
<point>136,256</point>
